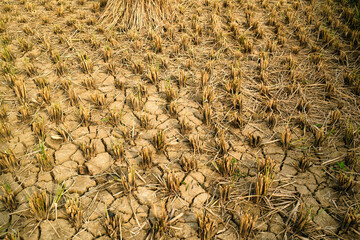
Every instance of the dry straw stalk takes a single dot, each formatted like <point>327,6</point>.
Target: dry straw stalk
<point>136,13</point>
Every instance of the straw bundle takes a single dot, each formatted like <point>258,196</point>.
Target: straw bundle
<point>136,13</point>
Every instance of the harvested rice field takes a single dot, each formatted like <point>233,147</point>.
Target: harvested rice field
<point>179,119</point>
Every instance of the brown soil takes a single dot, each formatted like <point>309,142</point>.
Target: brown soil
<point>271,86</point>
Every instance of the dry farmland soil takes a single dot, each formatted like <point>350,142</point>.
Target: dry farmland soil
<point>232,119</point>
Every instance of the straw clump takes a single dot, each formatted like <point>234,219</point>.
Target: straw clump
<point>136,13</point>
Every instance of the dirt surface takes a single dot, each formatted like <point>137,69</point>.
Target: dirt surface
<point>240,119</point>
